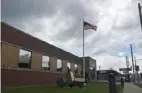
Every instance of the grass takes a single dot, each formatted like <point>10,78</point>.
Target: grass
<point>90,88</point>
<point>120,90</point>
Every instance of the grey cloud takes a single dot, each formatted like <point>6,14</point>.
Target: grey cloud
<point>18,9</point>
<point>29,10</point>
<point>99,52</point>
<point>77,11</point>
<point>131,16</point>
<point>114,31</point>
<point>69,33</point>
<point>140,45</point>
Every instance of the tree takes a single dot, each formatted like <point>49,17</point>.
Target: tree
<point>24,58</point>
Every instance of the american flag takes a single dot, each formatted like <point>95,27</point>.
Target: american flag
<point>89,26</point>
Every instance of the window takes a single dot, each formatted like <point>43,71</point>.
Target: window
<point>92,63</point>
<point>59,65</point>
<point>91,68</point>
<point>76,68</point>
<point>24,59</point>
<point>69,65</point>
<point>45,63</point>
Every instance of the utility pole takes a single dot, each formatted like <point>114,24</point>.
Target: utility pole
<point>127,66</point>
<point>132,61</point>
<point>127,62</point>
<point>135,64</point>
<point>140,14</point>
<point>136,69</point>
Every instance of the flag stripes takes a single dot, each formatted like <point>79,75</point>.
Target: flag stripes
<point>89,26</point>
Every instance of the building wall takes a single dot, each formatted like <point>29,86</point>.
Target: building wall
<point>10,59</point>
<point>12,75</point>
<point>102,77</point>
<point>36,62</point>
<point>35,75</point>
<point>87,63</point>
<point>11,78</point>
<point>53,64</point>
<point>90,62</point>
<point>9,56</point>
<point>64,66</point>
<point>79,69</point>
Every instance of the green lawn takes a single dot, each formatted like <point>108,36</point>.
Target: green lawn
<point>90,88</point>
<point>120,90</point>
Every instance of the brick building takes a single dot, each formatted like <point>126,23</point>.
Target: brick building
<point>26,60</point>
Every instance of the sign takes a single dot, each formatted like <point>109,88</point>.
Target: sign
<point>125,69</point>
<point>137,68</point>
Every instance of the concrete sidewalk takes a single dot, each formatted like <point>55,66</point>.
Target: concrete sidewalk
<point>131,88</point>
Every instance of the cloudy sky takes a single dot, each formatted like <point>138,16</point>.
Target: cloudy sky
<point>59,22</point>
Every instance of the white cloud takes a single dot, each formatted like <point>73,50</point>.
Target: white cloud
<point>107,62</point>
<point>121,53</point>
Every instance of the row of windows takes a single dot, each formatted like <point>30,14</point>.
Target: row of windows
<point>25,61</point>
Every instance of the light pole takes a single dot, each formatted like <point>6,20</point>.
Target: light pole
<point>127,66</point>
<point>140,14</point>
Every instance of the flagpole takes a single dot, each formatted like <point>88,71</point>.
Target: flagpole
<point>83,52</point>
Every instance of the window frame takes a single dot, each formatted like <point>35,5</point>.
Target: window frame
<point>43,68</point>
<point>61,65</point>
